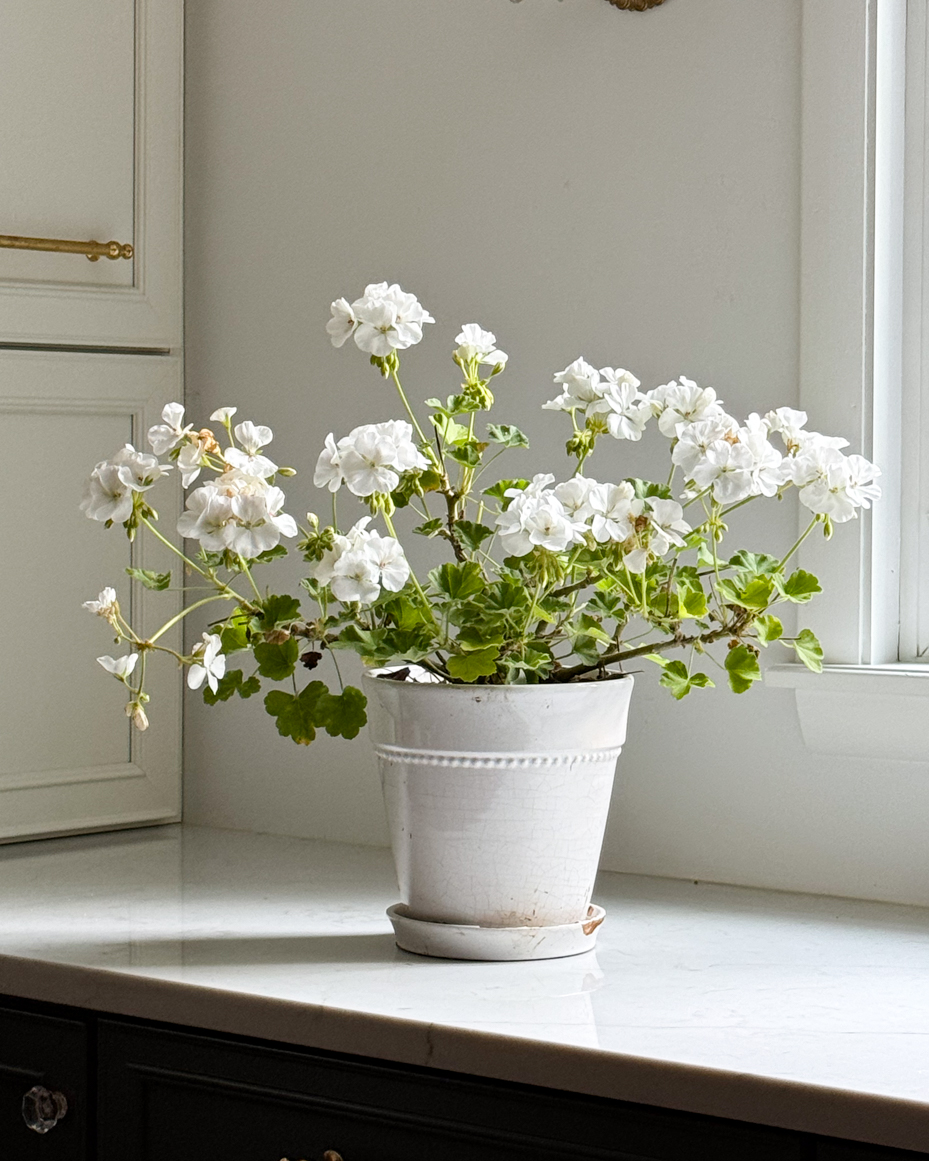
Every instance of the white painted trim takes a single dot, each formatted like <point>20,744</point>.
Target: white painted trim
<point>146,787</point>
<point>877,712</point>
<point>914,589</point>
<point>148,313</point>
<point>836,306</point>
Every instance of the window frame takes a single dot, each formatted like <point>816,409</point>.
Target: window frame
<point>852,343</point>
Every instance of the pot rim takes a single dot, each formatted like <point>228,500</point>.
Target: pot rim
<point>379,675</point>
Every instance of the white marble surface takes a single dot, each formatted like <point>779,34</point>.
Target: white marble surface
<point>810,1013</point>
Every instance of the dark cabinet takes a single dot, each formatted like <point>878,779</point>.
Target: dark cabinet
<point>43,1058</point>
<point>142,1092</point>
<point>173,1095</point>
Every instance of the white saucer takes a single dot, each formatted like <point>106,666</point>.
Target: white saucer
<point>465,941</point>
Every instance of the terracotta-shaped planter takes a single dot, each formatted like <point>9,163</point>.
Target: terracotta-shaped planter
<point>497,799</point>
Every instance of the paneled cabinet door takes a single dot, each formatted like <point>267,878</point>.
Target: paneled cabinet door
<point>44,1060</point>
<point>90,134</point>
<point>69,760</point>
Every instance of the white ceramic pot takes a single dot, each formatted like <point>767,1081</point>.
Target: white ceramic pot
<point>497,799</point>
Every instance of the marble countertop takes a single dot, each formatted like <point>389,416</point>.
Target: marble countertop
<point>804,1012</point>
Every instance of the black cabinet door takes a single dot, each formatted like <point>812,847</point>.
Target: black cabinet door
<point>50,1052</point>
<point>173,1096</point>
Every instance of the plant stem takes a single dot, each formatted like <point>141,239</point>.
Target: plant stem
<point>406,404</point>
<point>224,588</point>
<point>809,529</point>
<point>183,613</point>
<point>424,600</point>
<point>248,573</point>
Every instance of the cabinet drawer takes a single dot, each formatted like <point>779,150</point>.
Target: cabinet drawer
<point>172,1096</point>
<point>47,1051</point>
<point>846,1151</point>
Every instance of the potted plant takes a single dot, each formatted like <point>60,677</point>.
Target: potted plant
<point>496,683</point>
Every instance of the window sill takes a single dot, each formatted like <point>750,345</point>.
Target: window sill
<point>861,711</point>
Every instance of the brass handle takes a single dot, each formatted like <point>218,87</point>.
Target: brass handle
<point>93,250</point>
<point>42,1110</point>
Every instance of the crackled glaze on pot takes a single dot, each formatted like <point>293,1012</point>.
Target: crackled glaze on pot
<point>497,796</point>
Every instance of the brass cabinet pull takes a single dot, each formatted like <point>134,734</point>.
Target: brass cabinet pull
<point>92,250</point>
<point>42,1110</point>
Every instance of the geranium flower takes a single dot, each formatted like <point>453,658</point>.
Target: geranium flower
<point>614,508</point>
<point>343,322</point>
<point>120,667</point>
<point>211,665</point>
<point>480,345</point>
<point>105,605</point>
<point>355,578</point>
<point>165,436</point>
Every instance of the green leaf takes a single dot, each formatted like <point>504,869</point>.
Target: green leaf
<point>704,555</point>
<point>743,668</point>
<point>346,713</point>
<point>676,679</point>
<point>756,594</point>
<point>799,587</point>
<point>589,626</point>
<point>468,454</point>
<point>296,714</point>
<point>458,580</point>
<point>646,490</point>
<point>472,535</point>
<point>278,611</point>
<point>226,687</point>
<point>808,649</point>
<point>758,564</point>
<point>506,434</point>
<point>502,486</point>
<point>151,580</point>
<point>405,614</point>
<point>234,635</point>
<point>768,629</point>
<point>470,666</point>
<point>270,554</point>
<point>277,662</point>
<point>476,637</point>
<point>691,600</point>
<point>430,527</point>
<point>452,433</point>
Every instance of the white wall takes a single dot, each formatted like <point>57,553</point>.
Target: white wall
<point>579,180</point>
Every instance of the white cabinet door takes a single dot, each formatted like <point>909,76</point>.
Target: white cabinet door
<point>69,760</point>
<point>90,136</point>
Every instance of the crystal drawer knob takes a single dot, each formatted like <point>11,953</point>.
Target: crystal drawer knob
<point>42,1109</point>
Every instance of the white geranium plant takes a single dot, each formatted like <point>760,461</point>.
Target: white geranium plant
<point>552,579</point>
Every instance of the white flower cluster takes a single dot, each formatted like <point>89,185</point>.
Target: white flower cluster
<point>237,511</point>
<point>580,508</point>
<point>714,451</point>
<point>383,320</point>
<point>739,461</point>
<point>370,459</point>
<point>109,491</point>
<point>360,564</point>
<point>611,392</point>
<point>475,345</point>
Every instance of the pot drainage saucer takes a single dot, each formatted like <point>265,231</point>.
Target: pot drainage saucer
<point>468,941</point>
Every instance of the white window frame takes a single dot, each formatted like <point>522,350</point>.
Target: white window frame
<point>867,702</point>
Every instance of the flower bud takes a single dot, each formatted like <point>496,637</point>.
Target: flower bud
<point>277,636</point>
<point>138,716</point>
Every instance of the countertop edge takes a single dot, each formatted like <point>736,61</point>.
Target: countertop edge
<point>873,1118</point>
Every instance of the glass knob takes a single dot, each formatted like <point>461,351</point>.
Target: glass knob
<point>42,1109</point>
